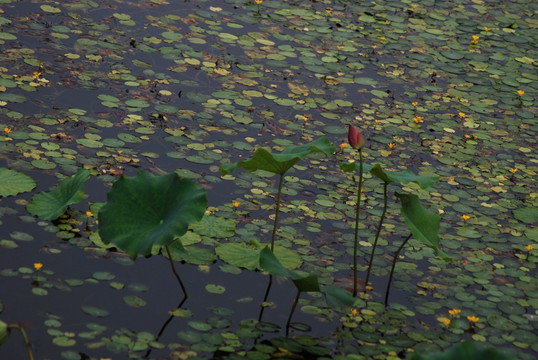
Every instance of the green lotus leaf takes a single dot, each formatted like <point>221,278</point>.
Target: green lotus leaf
<point>466,350</point>
<point>263,159</point>
<point>424,224</point>
<point>304,282</point>
<point>528,215</point>
<point>338,298</point>
<point>147,210</point>
<point>215,226</point>
<point>403,177</point>
<point>13,182</point>
<point>50,205</point>
<point>247,256</point>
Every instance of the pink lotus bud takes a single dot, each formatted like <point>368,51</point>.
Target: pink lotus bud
<point>355,138</point>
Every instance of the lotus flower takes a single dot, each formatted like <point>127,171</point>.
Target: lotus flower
<point>355,138</point>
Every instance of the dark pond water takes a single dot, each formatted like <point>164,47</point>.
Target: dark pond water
<point>121,86</point>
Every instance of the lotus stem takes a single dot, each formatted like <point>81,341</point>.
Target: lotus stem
<point>292,311</point>
<point>396,254</point>
<point>385,185</point>
<point>175,272</point>
<point>280,180</point>
<point>26,341</point>
<point>357,212</point>
<point>265,296</point>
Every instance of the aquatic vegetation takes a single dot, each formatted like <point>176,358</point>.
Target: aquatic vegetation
<point>195,85</point>
<point>356,140</point>
<point>146,211</point>
<point>14,182</point>
<point>51,205</point>
<point>466,350</point>
<point>279,164</point>
<point>336,297</point>
<point>5,330</point>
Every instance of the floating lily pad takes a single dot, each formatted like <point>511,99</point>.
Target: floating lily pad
<point>13,182</point>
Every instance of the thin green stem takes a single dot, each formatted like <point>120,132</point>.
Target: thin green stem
<point>175,272</point>
<point>26,341</point>
<point>292,311</point>
<point>277,210</point>
<point>378,231</point>
<point>396,254</point>
<point>265,297</point>
<point>357,212</point>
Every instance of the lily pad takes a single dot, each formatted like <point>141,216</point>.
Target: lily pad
<point>247,256</point>
<point>13,182</point>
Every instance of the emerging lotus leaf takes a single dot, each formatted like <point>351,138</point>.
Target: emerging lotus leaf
<point>263,159</point>
<point>403,177</point>
<point>424,224</point>
<point>50,205</point>
<point>147,210</point>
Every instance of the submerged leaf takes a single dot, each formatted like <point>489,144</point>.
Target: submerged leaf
<point>263,159</point>
<point>50,205</point>
<point>147,210</point>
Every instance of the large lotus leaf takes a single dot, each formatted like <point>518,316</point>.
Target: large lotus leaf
<point>466,350</point>
<point>13,182</point>
<point>304,282</point>
<point>424,224</point>
<point>247,256</point>
<point>50,205</point>
<point>403,177</point>
<point>263,159</point>
<point>147,210</point>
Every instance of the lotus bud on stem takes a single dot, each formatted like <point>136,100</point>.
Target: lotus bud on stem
<point>356,140</point>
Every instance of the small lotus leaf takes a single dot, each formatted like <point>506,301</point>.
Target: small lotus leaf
<point>303,282</point>
<point>147,210</point>
<point>263,159</point>
<point>13,182</point>
<point>424,224</point>
<point>50,205</point>
<point>247,256</point>
<point>403,177</point>
<point>338,298</point>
